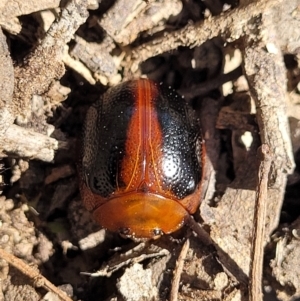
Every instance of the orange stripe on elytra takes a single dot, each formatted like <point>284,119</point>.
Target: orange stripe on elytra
<point>152,139</point>
<point>144,138</point>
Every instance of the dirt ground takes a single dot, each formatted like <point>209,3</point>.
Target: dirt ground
<point>237,64</point>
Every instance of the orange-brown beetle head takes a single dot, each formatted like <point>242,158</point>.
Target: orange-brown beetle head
<point>139,215</point>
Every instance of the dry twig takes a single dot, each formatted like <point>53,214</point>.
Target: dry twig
<point>178,271</point>
<point>38,279</point>
<point>205,88</point>
<point>40,69</point>
<point>257,254</point>
<point>45,63</point>
<point>138,254</point>
<point>225,26</point>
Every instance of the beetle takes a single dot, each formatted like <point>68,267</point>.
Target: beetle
<point>141,160</point>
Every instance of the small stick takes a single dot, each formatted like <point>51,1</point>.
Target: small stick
<point>44,64</point>
<point>257,252</point>
<point>178,271</point>
<point>201,233</point>
<point>224,25</point>
<point>35,275</point>
<point>204,88</point>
